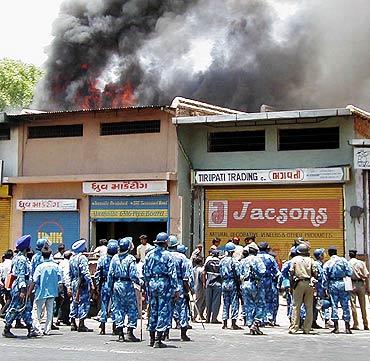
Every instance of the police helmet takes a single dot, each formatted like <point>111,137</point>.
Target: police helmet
<point>41,243</point>
<point>182,248</point>
<point>112,247</point>
<point>162,237</point>
<point>318,252</point>
<point>263,246</point>
<point>124,244</point>
<point>172,241</point>
<point>293,252</point>
<point>230,247</point>
<point>303,249</point>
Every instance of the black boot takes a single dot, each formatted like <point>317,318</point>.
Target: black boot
<point>73,325</point>
<point>7,333</point>
<point>19,324</point>
<point>152,338</point>
<point>224,326</point>
<point>166,335</point>
<point>234,326</point>
<point>158,341</point>
<point>102,328</point>
<point>31,333</point>
<point>184,336</point>
<point>315,325</point>
<point>82,327</point>
<point>336,327</point>
<point>130,335</point>
<point>348,328</point>
<point>53,327</point>
<point>121,335</point>
<point>255,330</point>
<point>114,329</point>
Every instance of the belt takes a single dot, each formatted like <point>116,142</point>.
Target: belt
<point>123,279</point>
<point>358,281</point>
<point>336,279</point>
<point>304,279</point>
<point>159,276</point>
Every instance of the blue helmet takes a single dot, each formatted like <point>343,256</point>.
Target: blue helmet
<point>112,247</point>
<point>172,241</point>
<point>182,248</point>
<point>23,242</point>
<point>293,252</point>
<point>230,247</point>
<point>318,252</point>
<point>325,304</point>
<point>124,244</point>
<point>79,246</point>
<point>40,243</point>
<point>162,237</point>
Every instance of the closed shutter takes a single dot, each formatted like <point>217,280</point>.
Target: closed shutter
<point>4,224</point>
<point>57,227</point>
<point>277,215</point>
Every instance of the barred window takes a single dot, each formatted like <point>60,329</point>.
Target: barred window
<point>5,133</point>
<point>133,127</point>
<point>309,138</point>
<point>242,141</point>
<point>55,131</point>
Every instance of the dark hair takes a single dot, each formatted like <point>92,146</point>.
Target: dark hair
<point>103,242</point>
<point>61,247</point>
<point>8,254</point>
<point>198,261</point>
<point>216,239</point>
<point>332,251</point>
<point>46,252</point>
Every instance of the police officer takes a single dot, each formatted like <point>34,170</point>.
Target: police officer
<point>319,297</point>
<point>81,285</point>
<point>20,305</point>
<point>270,281</point>
<point>335,269</point>
<point>303,273</point>
<point>230,274</point>
<point>183,272</point>
<point>37,257</point>
<point>284,281</point>
<point>161,285</point>
<point>121,278</point>
<point>101,277</point>
<point>252,271</point>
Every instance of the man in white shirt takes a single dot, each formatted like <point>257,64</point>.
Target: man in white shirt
<point>63,302</point>
<point>102,249</point>
<point>238,253</point>
<point>141,249</point>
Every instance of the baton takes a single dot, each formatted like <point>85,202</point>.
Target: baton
<point>196,307</point>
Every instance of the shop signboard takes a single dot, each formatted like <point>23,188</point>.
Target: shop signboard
<point>271,176</point>
<point>124,187</point>
<point>361,158</point>
<point>130,209</point>
<point>26,205</point>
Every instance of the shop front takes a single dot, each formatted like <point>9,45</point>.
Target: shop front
<point>5,207</point>
<point>276,206</point>
<point>128,208</point>
<point>57,220</point>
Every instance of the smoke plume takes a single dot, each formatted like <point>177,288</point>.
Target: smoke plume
<point>233,53</point>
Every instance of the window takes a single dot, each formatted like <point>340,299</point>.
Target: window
<point>55,131</point>
<point>4,133</point>
<point>242,141</point>
<point>309,138</point>
<point>137,127</point>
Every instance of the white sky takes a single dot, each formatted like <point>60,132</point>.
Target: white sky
<point>25,28</point>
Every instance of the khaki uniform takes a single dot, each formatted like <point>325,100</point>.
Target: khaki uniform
<point>359,280</point>
<point>302,269</point>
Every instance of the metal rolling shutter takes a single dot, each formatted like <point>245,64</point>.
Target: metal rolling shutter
<point>4,224</point>
<point>277,215</point>
<point>58,227</point>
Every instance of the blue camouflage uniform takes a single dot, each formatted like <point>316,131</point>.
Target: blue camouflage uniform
<point>80,279</point>
<point>285,285</point>
<point>252,270</point>
<point>335,269</point>
<point>36,260</point>
<point>230,272</point>
<point>161,284</point>
<point>121,278</point>
<point>183,272</point>
<point>101,277</point>
<point>20,269</point>
<point>270,285</point>
<point>320,291</point>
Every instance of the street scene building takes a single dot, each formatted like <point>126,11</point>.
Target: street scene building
<point>277,176</point>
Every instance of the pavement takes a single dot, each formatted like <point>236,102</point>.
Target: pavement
<point>213,343</point>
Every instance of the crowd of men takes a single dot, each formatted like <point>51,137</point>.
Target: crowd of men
<point>172,289</point>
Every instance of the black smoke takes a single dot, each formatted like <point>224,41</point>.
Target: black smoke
<point>317,56</point>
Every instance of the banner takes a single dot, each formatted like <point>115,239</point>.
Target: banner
<point>124,187</point>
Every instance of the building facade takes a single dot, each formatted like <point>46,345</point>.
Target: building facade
<point>275,175</point>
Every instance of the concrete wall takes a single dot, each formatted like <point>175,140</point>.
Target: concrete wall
<point>194,139</point>
<point>9,153</point>
<point>95,154</point>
